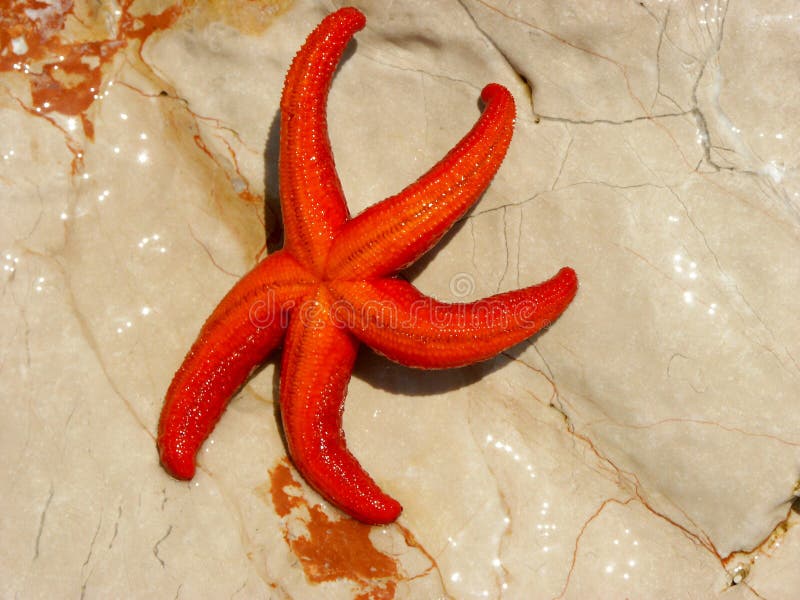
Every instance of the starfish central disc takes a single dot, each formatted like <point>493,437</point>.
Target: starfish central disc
<point>335,281</point>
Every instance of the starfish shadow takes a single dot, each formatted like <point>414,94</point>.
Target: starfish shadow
<point>272,203</point>
<point>383,374</point>
<point>414,271</point>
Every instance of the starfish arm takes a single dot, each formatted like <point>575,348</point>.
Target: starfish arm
<point>396,320</point>
<point>396,232</point>
<point>246,326</point>
<point>318,358</point>
<point>312,201</point>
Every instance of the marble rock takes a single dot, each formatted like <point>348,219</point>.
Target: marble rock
<point>647,445</point>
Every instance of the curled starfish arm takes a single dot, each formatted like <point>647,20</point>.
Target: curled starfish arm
<point>318,358</point>
<point>246,326</point>
<point>393,318</point>
<point>312,201</point>
<point>394,233</point>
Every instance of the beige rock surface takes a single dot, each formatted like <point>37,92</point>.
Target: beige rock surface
<point>646,446</point>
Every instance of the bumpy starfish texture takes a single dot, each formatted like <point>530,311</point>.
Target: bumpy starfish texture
<point>333,286</point>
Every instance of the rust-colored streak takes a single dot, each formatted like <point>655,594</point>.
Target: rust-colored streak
<point>16,22</point>
<point>280,479</point>
<point>64,62</point>
<point>143,26</point>
<point>333,549</point>
<point>379,593</point>
<point>245,193</point>
<point>70,86</point>
<point>340,549</point>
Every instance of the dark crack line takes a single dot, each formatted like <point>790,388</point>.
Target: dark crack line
<point>667,36</point>
<point>425,112</point>
<point>116,527</point>
<point>664,35</point>
<point>658,56</point>
<point>699,116</point>
<point>239,589</point>
<point>86,583</point>
<point>519,244</point>
<point>423,73</point>
<point>612,186</point>
<point>505,245</point>
<point>158,543</point>
<point>511,64</point>
<point>42,521</point>
<point>91,545</point>
<point>471,216</point>
<point>556,119</point>
<point>474,245</point>
<point>563,162</point>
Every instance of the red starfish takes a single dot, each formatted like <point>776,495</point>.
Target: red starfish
<point>334,281</point>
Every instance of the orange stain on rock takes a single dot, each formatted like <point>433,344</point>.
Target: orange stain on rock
<point>62,54</point>
<point>340,549</point>
<point>333,550</point>
<point>62,48</point>
<point>281,479</point>
<point>379,593</point>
